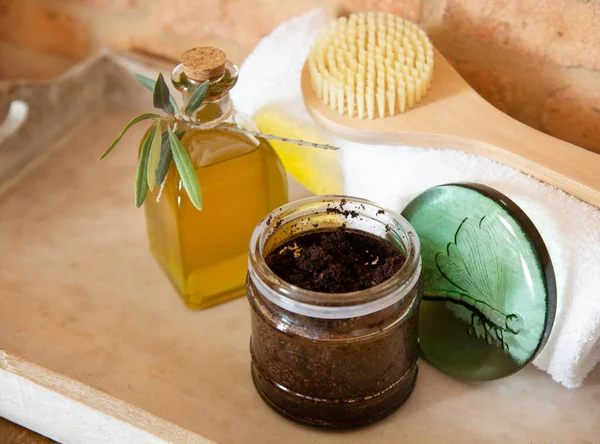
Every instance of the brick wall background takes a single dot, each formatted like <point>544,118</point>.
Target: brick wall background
<point>536,60</point>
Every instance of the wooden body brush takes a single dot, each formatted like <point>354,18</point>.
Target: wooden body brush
<point>370,79</point>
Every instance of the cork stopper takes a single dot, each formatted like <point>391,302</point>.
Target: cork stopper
<point>203,63</point>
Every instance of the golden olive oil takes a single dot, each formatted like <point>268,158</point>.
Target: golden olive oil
<point>205,253</point>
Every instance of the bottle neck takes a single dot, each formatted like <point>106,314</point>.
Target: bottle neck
<point>211,113</point>
<point>217,105</point>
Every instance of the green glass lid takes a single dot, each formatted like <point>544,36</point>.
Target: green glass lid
<point>489,294</point>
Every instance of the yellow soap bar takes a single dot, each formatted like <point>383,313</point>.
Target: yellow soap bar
<point>317,169</point>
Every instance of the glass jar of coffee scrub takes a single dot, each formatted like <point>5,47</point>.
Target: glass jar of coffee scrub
<point>334,285</point>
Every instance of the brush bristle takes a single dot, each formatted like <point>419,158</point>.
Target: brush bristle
<point>371,65</point>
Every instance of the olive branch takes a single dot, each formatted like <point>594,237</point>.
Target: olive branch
<point>162,144</point>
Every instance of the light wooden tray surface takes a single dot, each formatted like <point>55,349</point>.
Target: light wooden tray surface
<point>453,115</point>
<point>95,345</point>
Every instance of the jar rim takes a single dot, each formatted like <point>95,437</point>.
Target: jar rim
<point>334,305</point>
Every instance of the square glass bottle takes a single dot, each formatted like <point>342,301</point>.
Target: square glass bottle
<point>204,253</point>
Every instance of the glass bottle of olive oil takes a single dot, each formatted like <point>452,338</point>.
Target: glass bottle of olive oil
<point>205,252</point>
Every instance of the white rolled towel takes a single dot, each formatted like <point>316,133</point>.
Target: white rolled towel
<point>270,76</point>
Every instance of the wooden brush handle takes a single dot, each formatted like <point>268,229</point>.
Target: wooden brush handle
<point>454,116</point>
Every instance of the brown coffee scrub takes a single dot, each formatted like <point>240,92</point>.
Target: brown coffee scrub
<point>335,261</point>
<point>341,371</point>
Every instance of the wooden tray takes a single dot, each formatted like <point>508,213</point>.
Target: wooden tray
<point>95,345</point>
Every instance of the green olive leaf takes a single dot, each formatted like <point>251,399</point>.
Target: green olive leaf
<point>165,159</point>
<point>129,125</point>
<point>166,156</point>
<point>161,98</point>
<point>196,99</point>
<point>141,181</point>
<point>186,170</point>
<point>154,157</point>
<point>148,83</point>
